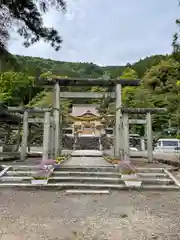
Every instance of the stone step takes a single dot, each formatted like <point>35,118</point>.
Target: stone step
<point>103,169</point>
<point>85,186</point>
<point>87,168</point>
<point>63,173</point>
<point>89,143</point>
<point>74,191</point>
<point>106,180</point>
<point>72,168</point>
<point>68,173</point>
<point>95,179</point>
<point>110,174</point>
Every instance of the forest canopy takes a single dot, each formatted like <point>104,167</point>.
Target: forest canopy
<point>159,74</point>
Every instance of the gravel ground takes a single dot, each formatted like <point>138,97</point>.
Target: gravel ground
<point>120,215</point>
<point>51,215</point>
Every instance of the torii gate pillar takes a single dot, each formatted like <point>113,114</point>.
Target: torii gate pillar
<point>57,140</point>
<point>118,124</point>
<point>24,142</point>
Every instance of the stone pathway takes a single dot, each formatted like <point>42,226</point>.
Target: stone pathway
<point>86,153</point>
<point>87,161</point>
<point>84,160</point>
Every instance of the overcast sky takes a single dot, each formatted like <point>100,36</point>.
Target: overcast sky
<point>108,34</point>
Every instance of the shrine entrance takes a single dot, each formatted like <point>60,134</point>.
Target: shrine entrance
<point>86,127</point>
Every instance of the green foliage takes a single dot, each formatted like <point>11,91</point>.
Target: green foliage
<point>128,93</point>
<point>129,73</point>
<point>28,14</point>
<point>163,78</point>
<point>15,88</point>
<point>160,86</point>
<point>139,67</point>
<point>164,74</point>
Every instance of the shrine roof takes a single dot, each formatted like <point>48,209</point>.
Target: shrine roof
<point>83,109</point>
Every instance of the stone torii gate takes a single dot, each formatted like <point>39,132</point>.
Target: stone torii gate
<point>56,84</point>
<point>121,133</point>
<point>61,82</point>
<point>125,129</point>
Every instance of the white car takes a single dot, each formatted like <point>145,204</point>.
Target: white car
<point>167,145</point>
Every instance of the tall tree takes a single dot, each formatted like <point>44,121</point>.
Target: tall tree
<point>163,78</point>
<point>4,36</point>
<point>29,15</point>
<point>16,88</point>
<point>5,22</point>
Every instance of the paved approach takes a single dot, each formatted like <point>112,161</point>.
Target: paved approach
<point>82,158</point>
<point>87,161</point>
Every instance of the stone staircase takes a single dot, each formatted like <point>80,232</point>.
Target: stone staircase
<point>89,179</point>
<point>89,143</point>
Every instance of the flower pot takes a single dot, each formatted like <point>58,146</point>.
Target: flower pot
<point>129,176</point>
<point>39,181</point>
<point>133,183</point>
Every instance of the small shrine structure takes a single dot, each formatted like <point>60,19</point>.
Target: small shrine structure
<point>87,120</point>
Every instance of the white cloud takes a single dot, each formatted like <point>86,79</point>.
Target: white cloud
<point>108,34</point>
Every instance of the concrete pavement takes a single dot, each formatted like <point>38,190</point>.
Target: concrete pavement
<point>81,158</point>
<point>87,161</point>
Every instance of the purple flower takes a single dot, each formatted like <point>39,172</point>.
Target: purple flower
<point>47,162</point>
<point>127,166</point>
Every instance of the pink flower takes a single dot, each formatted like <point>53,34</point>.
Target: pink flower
<point>127,165</point>
<point>47,162</point>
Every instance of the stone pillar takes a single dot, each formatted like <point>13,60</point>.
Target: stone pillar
<point>118,131</point>
<point>126,137</point>
<point>57,120</point>
<point>46,135</point>
<point>24,136</point>
<point>51,140</point>
<point>100,144</point>
<point>149,137</point>
<point>18,138</point>
<point>113,141</point>
<point>143,145</point>
<point>29,139</point>
<point>75,141</point>
<point>60,132</point>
